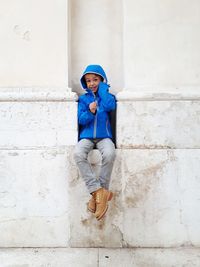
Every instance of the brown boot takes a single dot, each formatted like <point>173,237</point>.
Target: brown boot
<point>91,205</point>
<point>101,196</point>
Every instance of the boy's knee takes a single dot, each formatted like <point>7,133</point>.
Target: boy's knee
<point>78,155</point>
<point>109,156</point>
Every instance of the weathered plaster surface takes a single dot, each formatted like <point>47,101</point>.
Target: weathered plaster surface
<point>47,257</point>
<point>33,198</point>
<point>158,124</point>
<point>43,198</point>
<point>149,257</point>
<point>161,44</point>
<point>161,197</point>
<point>33,48</point>
<point>36,94</point>
<point>91,257</point>
<point>156,198</point>
<point>33,124</point>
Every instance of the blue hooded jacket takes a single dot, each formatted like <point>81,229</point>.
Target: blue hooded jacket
<point>96,125</point>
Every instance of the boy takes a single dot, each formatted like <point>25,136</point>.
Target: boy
<point>95,130</point>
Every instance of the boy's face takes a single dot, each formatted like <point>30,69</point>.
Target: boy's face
<point>92,81</point>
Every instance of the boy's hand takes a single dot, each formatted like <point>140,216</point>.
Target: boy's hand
<point>93,107</point>
<point>103,86</point>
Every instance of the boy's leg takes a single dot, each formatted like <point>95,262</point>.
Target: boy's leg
<point>107,149</point>
<point>83,147</point>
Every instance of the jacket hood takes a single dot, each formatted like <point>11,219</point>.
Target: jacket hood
<point>96,69</point>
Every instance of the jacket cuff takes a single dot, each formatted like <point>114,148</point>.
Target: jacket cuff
<point>91,113</point>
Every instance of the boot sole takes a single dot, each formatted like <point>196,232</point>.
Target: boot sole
<point>110,195</point>
<point>91,210</point>
<point>104,212</point>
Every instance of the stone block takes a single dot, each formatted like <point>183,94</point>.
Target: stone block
<point>43,257</point>
<point>143,257</point>
<point>34,198</point>
<point>158,124</point>
<point>160,190</point>
<point>93,257</point>
<point>155,204</point>
<point>31,124</point>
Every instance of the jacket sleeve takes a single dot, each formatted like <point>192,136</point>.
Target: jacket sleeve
<point>84,114</point>
<point>108,100</point>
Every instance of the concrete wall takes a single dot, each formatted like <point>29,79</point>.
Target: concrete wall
<point>34,42</point>
<point>150,53</point>
<point>37,124</point>
<point>160,46</point>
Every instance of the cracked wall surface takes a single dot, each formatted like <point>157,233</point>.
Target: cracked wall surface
<point>43,198</point>
<point>156,195</point>
<point>34,160</point>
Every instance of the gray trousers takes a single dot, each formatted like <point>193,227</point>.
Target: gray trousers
<point>107,150</point>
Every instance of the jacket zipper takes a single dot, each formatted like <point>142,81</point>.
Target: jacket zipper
<point>95,127</point>
<point>95,119</point>
<point>107,127</point>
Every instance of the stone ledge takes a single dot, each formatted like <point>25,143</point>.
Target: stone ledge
<point>91,257</point>
<point>127,95</point>
<point>158,124</point>
<point>36,94</point>
<point>37,122</point>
